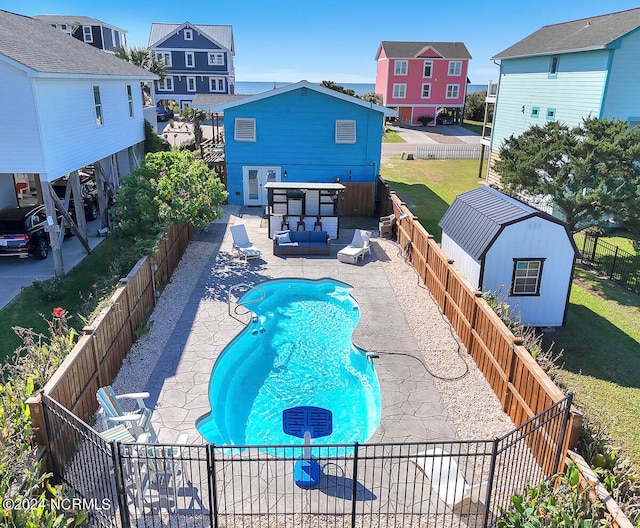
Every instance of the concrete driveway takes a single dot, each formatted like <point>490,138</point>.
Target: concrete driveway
<point>16,273</point>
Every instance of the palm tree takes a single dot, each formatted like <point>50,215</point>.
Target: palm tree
<point>143,58</point>
<point>196,116</point>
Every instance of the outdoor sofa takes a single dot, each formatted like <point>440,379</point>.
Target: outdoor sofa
<point>301,243</point>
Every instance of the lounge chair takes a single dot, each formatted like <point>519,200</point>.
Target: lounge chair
<point>137,422</point>
<point>442,471</point>
<point>241,243</point>
<point>358,248</point>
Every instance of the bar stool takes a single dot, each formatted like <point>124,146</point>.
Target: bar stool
<point>284,226</point>
<point>300,226</point>
<point>317,226</point>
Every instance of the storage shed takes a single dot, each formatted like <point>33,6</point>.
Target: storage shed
<point>503,245</point>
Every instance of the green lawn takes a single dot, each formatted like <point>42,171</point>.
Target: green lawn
<point>429,186</point>
<point>601,339</point>
<point>390,136</point>
<point>474,126</point>
<point>601,357</point>
<point>79,292</point>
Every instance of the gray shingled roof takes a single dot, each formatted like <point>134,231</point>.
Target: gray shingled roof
<point>475,218</point>
<point>221,34</point>
<point>76,21</point>
<point>408,50</point>
<point>38,46</point>
<point>578,35</point>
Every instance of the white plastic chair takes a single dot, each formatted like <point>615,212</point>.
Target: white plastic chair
<point>358,248</point>
<point>241,243</point>
<point>442,471</point>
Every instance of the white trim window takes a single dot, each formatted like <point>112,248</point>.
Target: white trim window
<point>164,57</point>
<point>97,104</point>
<point>400,67</point>
<point>399,91</point>
<point>189,59</point>
<point>455,68</point>
<point>426,90</point>
<point>191,84</point>
<point>130,100</point>
<point>244,129</point>
<point>216,59</point>
<point>87,34</point>
<point>188,34</point>
<point>453,91</point>
<point>526,276</point>
<point>345,131</point>
<point>427,70</point>
<point>166,84</point>
<point>216,84</point>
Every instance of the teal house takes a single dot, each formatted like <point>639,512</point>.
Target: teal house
<point>566,72</point>
<point>302,136</point>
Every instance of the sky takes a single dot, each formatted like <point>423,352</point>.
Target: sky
<point>336,40</point>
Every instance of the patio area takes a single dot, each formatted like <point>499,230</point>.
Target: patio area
<point>399,321</point>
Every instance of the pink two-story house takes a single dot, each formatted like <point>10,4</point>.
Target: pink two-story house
<point>422,78</point>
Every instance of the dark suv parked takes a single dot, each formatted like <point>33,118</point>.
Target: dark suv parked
<point>22,232</point>
<point>89,196</point>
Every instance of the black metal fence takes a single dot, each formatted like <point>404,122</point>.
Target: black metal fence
<point>618,265</point>
<point>457,483</point>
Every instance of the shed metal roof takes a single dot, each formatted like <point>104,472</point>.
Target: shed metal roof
<point>41,48</point>
<point>477,217</point>
<point>586,34</point>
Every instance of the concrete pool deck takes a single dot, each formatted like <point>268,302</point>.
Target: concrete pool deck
<point>177,373</point>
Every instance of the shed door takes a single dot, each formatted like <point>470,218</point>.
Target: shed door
<point>253,182</point>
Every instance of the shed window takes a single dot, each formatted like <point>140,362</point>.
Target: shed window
<point>97,103</point>
<point>526,276</point>
<point>245,129</point>
<point>345,131</point>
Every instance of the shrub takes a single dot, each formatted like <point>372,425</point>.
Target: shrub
<point>425,119</point>
<point>559,503</point>
<point>153,142</point>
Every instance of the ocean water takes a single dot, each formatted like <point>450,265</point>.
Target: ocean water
<point>250,87</point>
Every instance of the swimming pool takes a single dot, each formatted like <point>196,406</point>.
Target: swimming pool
<point>297,350</point>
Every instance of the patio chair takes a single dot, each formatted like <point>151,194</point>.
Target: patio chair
<point>385,225</point>
<point>157,471</point>
<point>358,248</point>
<point>241,243</point>
<point>442,472</point>
<point>137,422</point>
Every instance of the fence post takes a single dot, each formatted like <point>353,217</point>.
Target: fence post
<point>121,484</point>
<point>595,247</point>
<point>354,485</point>
<point>213,487</point>
<point>506,398</point>
<point>613,264</point>
<point>492,473</point>
<point>560,454</point>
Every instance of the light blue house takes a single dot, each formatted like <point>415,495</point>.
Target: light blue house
<point>198,58</point>
<point>566,72</point>
<point>302,133</point>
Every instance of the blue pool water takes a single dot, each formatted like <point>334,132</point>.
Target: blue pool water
<point>297,350</point>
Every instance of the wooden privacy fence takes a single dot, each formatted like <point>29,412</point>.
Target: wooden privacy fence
<point>96,359</point>
<point>446,151</point>
<point>520,384</point>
